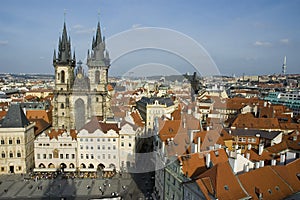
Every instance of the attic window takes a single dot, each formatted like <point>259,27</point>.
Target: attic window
<point>277,188</point>
<point>170,130</point>
<point>226,187</point>
<point>270,191</point>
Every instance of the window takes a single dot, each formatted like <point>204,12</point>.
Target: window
<point>92,156</point>
<point>122,137</point>
<point>97,76</point>
<point>10,141</point>
<point>61,156</point>
<point>73,156</point>
<point>252,140</point>
<point>108,140</point>
<point>2,169</point>
<point>50,156</point>
<point>114,156</point>
<point>62,76</point>
<point>98,139</point>
<point>98,147</point>
<point>81,139</point>
<point>86,139</point>
<point>103,156</point>
<point>3,154</point>
<point>18,141</point>
<point>114,139</point>
<point>226,187</point>
<point>81,156</point>
<point>122,144</point>
<point>103,140</point>
<point>11,154</point>
<point>129,144</point>
<point>67,156</point>
<point>38,156</point>
<point>87,156</point>
<point>62,106</point>
<point>108,147</point>
<point>114,147</point>
<point>103,147</point>
<point>91,140</point>
<point>18,154</point>
<point>242,139</point>
<point>92,147</point>
<point>2,141</point>
<point>81,146</point>
<point>86,147</point>
<point>108,156</point>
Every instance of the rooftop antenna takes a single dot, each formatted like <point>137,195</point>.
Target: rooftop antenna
<point>284,66</point>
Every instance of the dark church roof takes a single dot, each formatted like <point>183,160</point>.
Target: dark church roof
<point>15,118</point>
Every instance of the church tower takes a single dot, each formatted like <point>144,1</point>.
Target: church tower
<point>64,65</point>
<point>98,64</point>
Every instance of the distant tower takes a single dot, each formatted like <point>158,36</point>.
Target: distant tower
<point>284,66</point>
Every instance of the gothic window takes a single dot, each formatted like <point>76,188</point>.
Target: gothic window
<point>62,75</point>
<point>58,75</point>
<point>67,102</point>
<point>18,141</point>
<point>3,154</point>
<point>97,99</point>
<point>62,106</point>
<point>2,141</point>
<point>11,154</point>
<point>97,77</point>
<point>18,154</point>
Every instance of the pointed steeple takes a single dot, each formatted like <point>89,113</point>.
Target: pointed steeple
<point>54,56</point>
<point>64,48</point>
<point>98,34</point>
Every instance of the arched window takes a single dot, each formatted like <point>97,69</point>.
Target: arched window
<point>18,154</point>
<point>97,77</point>
<point>11,154</point>
<point>62,106</point>
<point>10,141</point>
<point>18,141</point>
<point>62,76</point>
<point>2,141</point>
<point>3,154</point>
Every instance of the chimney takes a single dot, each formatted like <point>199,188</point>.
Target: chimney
<point>191,135</point>
<point>246,167</point>
<point>260,149</point>
<point>195,148</point>
<point>261,163</point>
<point>265,104</point>
<point>184,122</point>
<point>208,160</point>
<point>248,156</point>
<point>119,125</point>
<point>282,159</point>
<point>207,128</point>
<point>273,162</point>
<point>257,165</point>
<point>199,144</point>
<point>163,146</point>
<point>249,147</point>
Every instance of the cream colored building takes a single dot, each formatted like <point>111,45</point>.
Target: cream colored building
<point>16,138</point>
<point>55,150</point>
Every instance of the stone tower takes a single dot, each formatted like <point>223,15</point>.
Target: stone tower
<point>64,66</point>
<point>98,64</point>
<point>77,96</point>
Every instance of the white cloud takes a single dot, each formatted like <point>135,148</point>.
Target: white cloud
<point>3,42</point>
<point>284,41</point>
<point>262,44</point>
<point>77,26</point>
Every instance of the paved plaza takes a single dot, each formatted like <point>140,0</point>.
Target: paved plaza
<point>19,187</point>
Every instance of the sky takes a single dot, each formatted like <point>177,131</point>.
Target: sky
<point>237,36</point>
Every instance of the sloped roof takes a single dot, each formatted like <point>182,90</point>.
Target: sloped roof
<point>15,117</point>
<point>266,181</point>
<point>249,121</point>
<point>289,173</point>
<point>95,124</point>
<point>220,182</point>
<point>40,126</point>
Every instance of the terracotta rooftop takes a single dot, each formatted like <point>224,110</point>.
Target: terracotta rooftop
<point>266,181</point>
<point>95,123</point>
<point>39,114</point>
<point>221,183</point>
<point>53,134</point>
<point>40,126</point>
<point>249,121</point>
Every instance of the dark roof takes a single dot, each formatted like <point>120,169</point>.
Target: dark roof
<point>161,100</point>
<point>253,133</point>
<point>15,117</point>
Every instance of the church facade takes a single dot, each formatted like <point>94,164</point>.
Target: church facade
<point>77,96</point>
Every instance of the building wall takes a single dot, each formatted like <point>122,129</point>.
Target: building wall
<point>17,149</point>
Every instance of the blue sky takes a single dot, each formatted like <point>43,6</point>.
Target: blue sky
<point>241,36</point>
